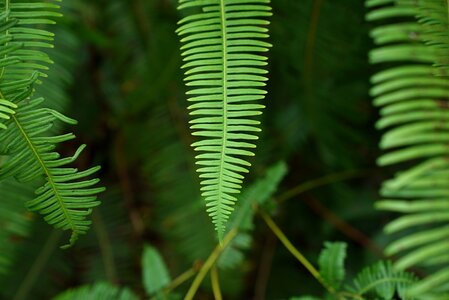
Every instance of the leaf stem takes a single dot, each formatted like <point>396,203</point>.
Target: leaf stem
<point>209,264</point>
<point>178,281</point>
<point>294,251</point>
<point>322,181</point>
<point>220,214</point>
<point>215,281</point>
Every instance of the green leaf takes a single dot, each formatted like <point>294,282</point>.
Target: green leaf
<point>222,53</point>
<point>382,281</point>
<point>331,263</point>
<point>67,197</point>
<point>154,272</point>
<point>101,290</point>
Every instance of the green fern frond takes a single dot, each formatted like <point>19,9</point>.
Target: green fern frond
<point>331,263</point>
<point>413,96</point>
<point>258,194</point>
<point>101,290</point>
<point>382,281</point>
<point>222,45</point>
<point>66,198</point>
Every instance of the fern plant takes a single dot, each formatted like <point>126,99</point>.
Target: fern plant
<point>413,94</point>
<point>379,281</point>
<point>66,198</point>
<point>222,45</point>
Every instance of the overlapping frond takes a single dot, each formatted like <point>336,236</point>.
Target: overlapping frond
<point>66,198</point>
<point>413,95</point>
<point>223,40</point>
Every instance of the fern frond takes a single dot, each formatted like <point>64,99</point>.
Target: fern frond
<point>101,290</point>
<point>381,281</point>
<point>331,263</point>
<point>222,45</point>
<point>66,198</point>
<point>154,271</point>
<point>256,194</point>
<point>414,98</point>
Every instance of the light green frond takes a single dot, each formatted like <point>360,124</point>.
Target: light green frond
<point>413,97</point>
<point>222,46</point>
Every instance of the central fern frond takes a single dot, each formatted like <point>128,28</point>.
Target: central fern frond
<point>222,45</point>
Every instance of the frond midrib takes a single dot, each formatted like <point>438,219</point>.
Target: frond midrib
<point>387,279</point>
<point>46,171</point>
<point>220,215</point>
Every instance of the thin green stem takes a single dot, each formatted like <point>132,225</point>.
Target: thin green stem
<point>319,182</point>
<point>215,281</point>
<point>178,281</point>
<point>209,263</point>
<point>182,278</point>
<point>220,220</point>
<point>295,252</point>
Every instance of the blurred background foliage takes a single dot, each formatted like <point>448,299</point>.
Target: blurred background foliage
<point>117,63</point>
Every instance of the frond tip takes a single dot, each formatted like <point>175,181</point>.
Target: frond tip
<point>66,198</point>
<point>221,51</point>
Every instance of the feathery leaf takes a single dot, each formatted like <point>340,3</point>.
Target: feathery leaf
<point>221,51</point>
<point>413,95</point>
